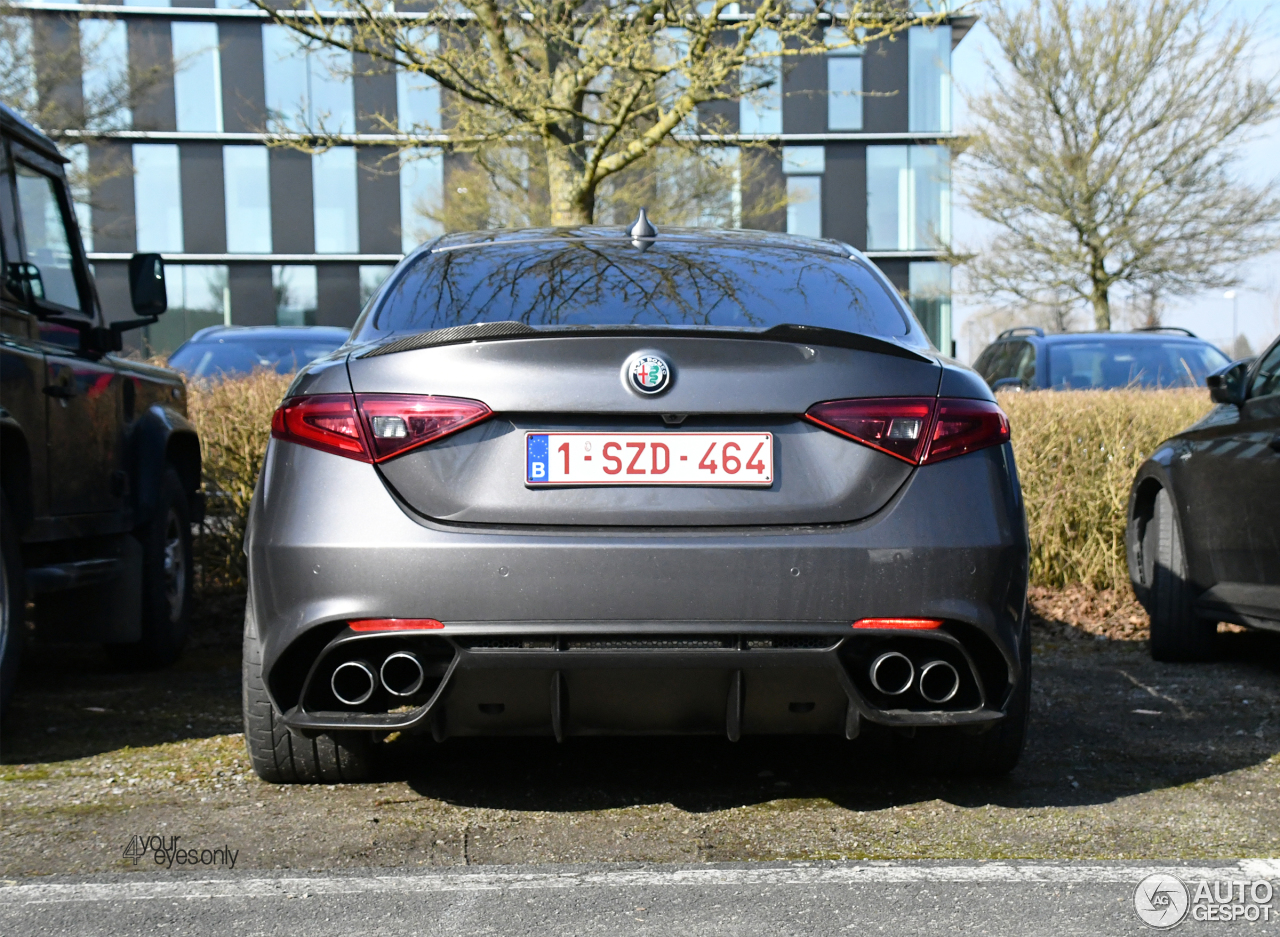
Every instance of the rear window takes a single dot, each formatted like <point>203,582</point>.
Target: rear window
<point>1100,365</point>
<point>229,356</point>
<point>609,282</point>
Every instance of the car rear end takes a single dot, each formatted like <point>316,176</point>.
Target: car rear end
<point>497,528</point>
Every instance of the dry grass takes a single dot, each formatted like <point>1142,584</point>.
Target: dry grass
<point>1077,453</point>
<point>234,421</point>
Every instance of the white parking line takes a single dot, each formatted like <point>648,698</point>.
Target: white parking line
<point>799,874</point>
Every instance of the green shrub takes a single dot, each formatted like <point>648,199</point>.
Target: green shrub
<point>1077,453</point>
<point>233,418</point>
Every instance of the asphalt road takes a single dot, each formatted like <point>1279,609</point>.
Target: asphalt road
<point>774,899</point>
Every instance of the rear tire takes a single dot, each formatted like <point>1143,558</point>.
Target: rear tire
<point>278,754</point>
<point>166,582</point>
<point>1177,632</point>
<point>13,604</point>
<point>955,751</point>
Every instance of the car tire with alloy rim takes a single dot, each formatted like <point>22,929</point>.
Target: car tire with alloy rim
<point>166,581</point>
<point>12,604</point>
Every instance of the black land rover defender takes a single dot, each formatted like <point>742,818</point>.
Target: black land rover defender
<point>99,466</point>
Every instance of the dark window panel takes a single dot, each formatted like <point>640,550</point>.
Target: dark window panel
<point>292,224</point>
<point>253,301</point>
<point>884,78</point>
<point>203,217</point>
<point>151,48</point>
<point>111,164</point>
<point>845,215</point>
<point>338,294</point>
<point>375,94</point>
<point>244,108</point>
<point>58,75</point>
<point>112,280</point>
<point>762,185</point>
<point>898,272</point>
<point>378,195</point>
<point>804,95</point>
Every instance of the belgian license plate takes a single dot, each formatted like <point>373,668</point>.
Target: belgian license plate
<point>649,459</point>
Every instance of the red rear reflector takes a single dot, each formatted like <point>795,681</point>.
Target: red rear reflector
<point>919,430</point>
<point>400,422</point>
<point>899,624</point>
<point>373,427</point>
<point>896,425</point>
<point>327,422</point>
<point>395,624</point>
<point>964,426</point>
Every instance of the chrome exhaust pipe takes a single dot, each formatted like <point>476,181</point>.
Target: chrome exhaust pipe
<point>892,673</point>
<point>352,682</point>
<point>939,681</point>
<point>401,674</point>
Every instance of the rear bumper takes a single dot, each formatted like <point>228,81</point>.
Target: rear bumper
<point>328,543</point>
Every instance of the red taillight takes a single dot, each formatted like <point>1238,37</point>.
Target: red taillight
<point>965,425</point>
<point>896,425</point>
<point>395,624</point>
<point>373,427</point>
<point>400,422</point>
<point>326,421</point>
<point>899,624</point>
<point>919,430</point>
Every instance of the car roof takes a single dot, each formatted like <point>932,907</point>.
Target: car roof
<point>684,236</point>
<point>233,333</point>
<point>27,133</point>
<point>1055,338</point>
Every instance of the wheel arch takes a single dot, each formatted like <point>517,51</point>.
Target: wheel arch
<point>160,438</point>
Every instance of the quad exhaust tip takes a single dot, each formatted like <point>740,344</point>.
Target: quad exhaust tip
<point>939,681</point>
<point>352,682</point>
<point>401,674</point>
<point>892,673</point>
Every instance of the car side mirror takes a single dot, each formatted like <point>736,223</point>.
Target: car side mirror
<point>1009,383</point>
<point>146,284</point>
<point>1226,385</point>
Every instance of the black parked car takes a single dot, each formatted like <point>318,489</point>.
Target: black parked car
<point>229,351</point>
<point>99,467</point>
<point>1026,358</point>
<point>1204,516</point>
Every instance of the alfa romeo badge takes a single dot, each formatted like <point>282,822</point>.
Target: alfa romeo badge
<point>649,374</point>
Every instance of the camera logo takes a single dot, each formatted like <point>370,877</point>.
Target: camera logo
<point>1161,900</point>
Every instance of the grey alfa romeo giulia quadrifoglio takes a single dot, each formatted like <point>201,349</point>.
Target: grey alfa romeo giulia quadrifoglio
<point>592,481</point>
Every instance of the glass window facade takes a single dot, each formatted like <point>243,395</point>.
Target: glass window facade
<point>197,77</point>
<point>908,198</point>
<point>199,296</point>
<point>247,191</point>
<point>157,197</point>
<point>306,89</point>
<point>929,78</point>
<point>371,277</point>
<point>929,291</point>
<point>761,111</point>
<point>844,84</point>
<point>333,181</point>
<point>421,197</point>
<point>104,75</point>
<point>418,97</point>
<point>295,290</point>
<point>803,167</point>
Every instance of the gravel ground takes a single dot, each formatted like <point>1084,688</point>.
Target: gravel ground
<point>1128,759</point>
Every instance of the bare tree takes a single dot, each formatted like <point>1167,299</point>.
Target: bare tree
<point>1105,151</point>
<point>595,87</point>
